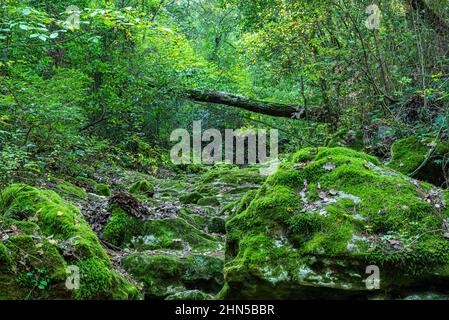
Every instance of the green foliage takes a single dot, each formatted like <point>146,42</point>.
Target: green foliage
<point>87,103</point>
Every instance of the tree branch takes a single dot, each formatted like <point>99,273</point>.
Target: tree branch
<point>275,109</point>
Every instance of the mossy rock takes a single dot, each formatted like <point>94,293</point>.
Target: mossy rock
<point>322,218</point>
<point>103,189</point>
<point>121,227</point>
<point>37,252</point>
<point>205,189</point>
<point>191,198</point>
<point>190,168</point>
<point>346,138</point>
<point>209,201</point>
<point>232,175</point>
<point>407,155</point>
<point>68,189</point>
<point>173,233</point>
<point>143,188</point>
<point>217,225</point>
<point>198,221</point>
<point>240,204</point>
<point>190,295</point>
<point>164,275</point>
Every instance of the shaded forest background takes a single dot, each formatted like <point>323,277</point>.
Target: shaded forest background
<point>112,90</point>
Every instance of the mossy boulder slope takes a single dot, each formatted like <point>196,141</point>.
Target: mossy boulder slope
<point>422,157</point>
<point>41,235</point>
<point>327,214</point>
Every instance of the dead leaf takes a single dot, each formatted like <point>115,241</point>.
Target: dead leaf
<point>329,166</point>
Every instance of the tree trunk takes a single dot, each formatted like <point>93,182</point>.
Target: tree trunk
<point>275,109</point>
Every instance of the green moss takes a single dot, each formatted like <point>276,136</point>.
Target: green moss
<point>240,204</point>
<point>164,275</point>
<point>175,233</point>
<point>232,175</point>
<point>190,295</point>
<point>309,154</point>
<point>121,228</point>
<point>209,201</point>
<point>217,225</point>
<point>58,226</point>
<point>5,258</point>
<point>34,262</point>
<point>142,187</point>
<point>159,274</point>
<point>198,221</point>
<point>191,198</point>
<point>99,281</point>
<point>70,189</point>
<point>206,189</point>
<point>190,168</point>
<point>328,209</point>
<point>204,272</point>
<point>54,216</point>
<point>408,154</point>
<point>95,279</point>
<point>103,189</point>
<point>346,138</point>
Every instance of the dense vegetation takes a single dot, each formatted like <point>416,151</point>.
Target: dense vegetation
<point>91,90</point>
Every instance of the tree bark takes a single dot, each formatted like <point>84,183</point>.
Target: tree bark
<point>275,109</point>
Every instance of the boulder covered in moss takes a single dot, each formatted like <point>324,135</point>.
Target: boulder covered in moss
<point>125,229</point>
<point>191,197</point>
<point>223,184</point>
<point>190,295</point>
<point>69,189</point>
<point>226,174</point>
<point>423,157</point>
<point>217,225</point>
<point>327,214</point>
<point>142,187</point>
<point>103,189</point>
<point>209,201</point>
<point>41,235</point>
<point>167,275</point>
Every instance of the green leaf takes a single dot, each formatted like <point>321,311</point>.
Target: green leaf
<point>54,35</point>
<point>110,23</point>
